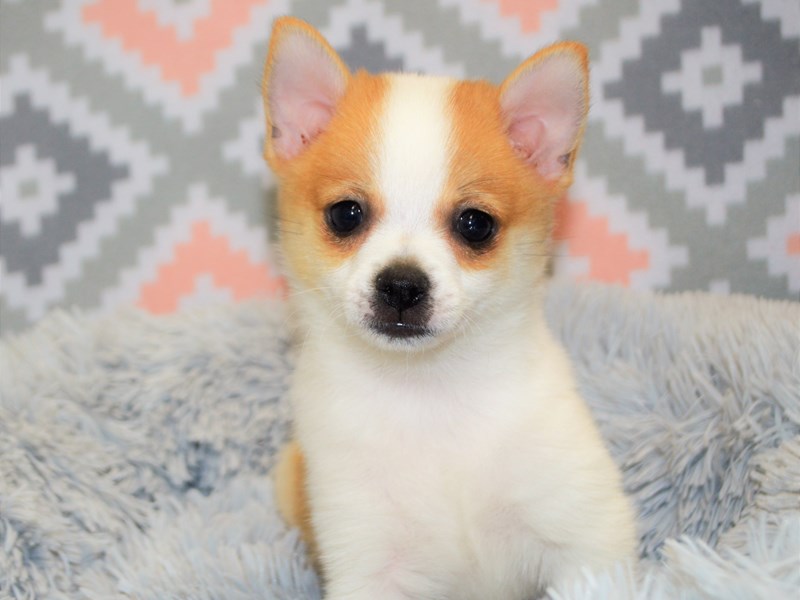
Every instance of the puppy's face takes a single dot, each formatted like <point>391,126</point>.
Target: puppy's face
<point>413,208</point>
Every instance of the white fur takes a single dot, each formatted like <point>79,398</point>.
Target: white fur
<point>465,467</point>
<point>414,153</point>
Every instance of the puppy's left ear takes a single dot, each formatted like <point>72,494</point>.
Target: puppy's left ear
<point>544,104</point>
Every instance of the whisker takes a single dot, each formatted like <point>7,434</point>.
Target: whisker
<point>283,230</point>
<point>308,291</point>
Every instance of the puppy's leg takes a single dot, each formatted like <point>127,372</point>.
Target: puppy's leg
<point>291,494</point>
<point>360,575</point>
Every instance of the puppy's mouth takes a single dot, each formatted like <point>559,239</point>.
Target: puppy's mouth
<point>400,330</point>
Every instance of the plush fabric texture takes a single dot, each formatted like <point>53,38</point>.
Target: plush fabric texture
<point>135,451</point>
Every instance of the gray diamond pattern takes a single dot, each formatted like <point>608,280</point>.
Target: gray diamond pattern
<point>640,91</point>
<point>93,172</point>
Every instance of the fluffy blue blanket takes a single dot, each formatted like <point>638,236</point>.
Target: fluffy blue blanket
<point>135,451</point>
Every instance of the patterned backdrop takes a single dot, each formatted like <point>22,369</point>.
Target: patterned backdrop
<point>130,131</point>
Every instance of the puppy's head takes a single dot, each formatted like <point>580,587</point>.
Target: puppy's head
<point>415,208</point>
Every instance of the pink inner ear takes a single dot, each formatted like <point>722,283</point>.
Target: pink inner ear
<point>527,137</point>
<point>297,125</point>
<point>544,110</point>
<point>304,87</point>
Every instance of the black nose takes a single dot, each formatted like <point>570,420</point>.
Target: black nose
<point>402,286</point>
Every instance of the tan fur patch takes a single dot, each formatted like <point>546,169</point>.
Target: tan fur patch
<point>485,174</point>
<point>292,496</point>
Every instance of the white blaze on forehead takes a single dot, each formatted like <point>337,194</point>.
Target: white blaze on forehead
<point>414,152</point>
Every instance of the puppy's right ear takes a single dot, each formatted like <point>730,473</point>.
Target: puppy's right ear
<point>304,79</point>
<point>545,103</point>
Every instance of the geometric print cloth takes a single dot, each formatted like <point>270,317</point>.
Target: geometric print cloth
<point>131,130</point>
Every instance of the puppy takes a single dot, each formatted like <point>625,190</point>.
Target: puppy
<point>441,449</point>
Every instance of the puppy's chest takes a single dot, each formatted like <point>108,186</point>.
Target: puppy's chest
<point>465,498</point>
<point>444,444</point>
<point>443,475</point>
<point>458,509</point>
<point>445,472</point>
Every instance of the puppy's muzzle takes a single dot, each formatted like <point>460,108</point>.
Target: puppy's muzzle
<point>401,301</point>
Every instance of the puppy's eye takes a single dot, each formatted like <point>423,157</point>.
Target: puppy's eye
<point>475,226</point>
<point>344,217</point>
